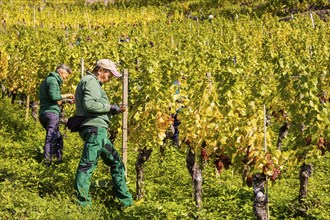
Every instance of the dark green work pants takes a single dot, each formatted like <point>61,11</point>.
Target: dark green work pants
<point>98,144</point>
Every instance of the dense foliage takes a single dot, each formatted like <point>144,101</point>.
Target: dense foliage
<point>29,190</point>
<point>233,60</point>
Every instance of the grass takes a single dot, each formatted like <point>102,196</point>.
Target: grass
<point>29,190</point>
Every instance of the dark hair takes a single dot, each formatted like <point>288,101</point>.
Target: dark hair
<point>96,68</point>
<point>64,67</point>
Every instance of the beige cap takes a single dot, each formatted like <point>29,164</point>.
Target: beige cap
<point>109,65</point>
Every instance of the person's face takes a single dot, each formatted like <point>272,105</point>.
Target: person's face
<point>105,75</point>
<point>64,74</point>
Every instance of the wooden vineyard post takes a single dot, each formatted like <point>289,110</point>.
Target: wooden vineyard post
<point>265,149</point>
<point>82,67</point>
<point>311,16</point>
<point>27,107</point>
<point>260,185</point>
<point>172,41</point>
<point>34,17</point>
<point>125,115</point>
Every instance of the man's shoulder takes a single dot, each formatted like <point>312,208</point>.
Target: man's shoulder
<point>51,78</point>
<point>89,79</point>
<point>87,82</point>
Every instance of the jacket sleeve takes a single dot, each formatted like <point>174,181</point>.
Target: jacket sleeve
<point>54,91</point>
<point>92,101</point>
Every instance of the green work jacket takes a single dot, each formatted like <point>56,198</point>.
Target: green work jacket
<point>50,93</point>
<point>92,101</point>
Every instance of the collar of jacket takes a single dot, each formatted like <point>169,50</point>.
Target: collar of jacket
<point>90,73</point>
<point>57,76</point>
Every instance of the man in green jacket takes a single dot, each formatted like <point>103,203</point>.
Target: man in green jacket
<point>49,113</point>
<point>92,102</point>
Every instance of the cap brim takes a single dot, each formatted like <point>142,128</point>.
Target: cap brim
<point>116,73</point>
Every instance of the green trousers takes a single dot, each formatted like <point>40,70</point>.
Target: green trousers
<point>97,144</point>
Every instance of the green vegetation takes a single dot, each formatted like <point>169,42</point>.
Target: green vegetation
<point>246,56</point>
<point>30,190</point>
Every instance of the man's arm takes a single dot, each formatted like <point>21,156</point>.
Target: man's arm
<point>93,101</point>
<point>54,91</point>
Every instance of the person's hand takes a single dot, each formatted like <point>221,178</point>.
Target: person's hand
<point>68,96</point>
<point>70,101</point>
<point>65,101</point>
<point>122,108</point>
<point>115,109</point>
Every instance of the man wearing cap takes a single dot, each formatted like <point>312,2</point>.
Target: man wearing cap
<point>49,113</point>
<point>92,102</point>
